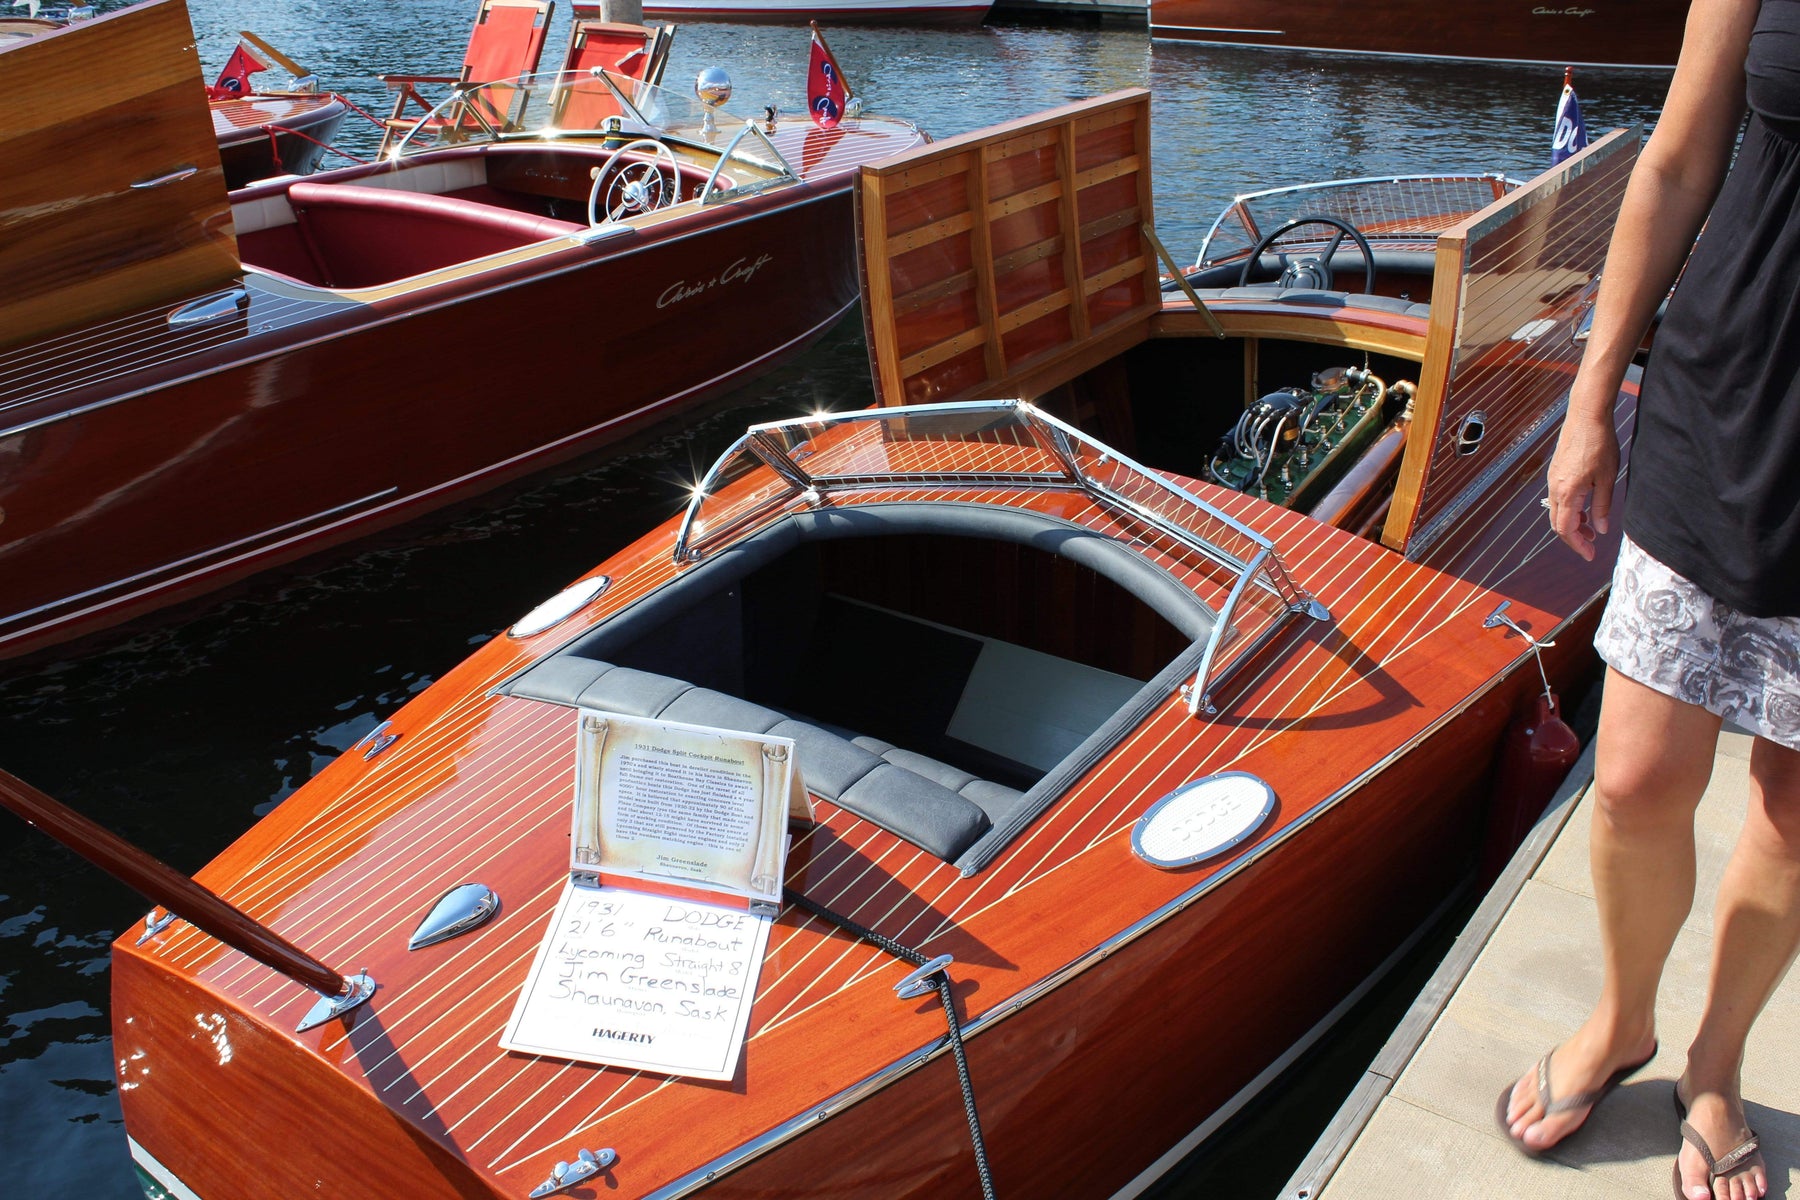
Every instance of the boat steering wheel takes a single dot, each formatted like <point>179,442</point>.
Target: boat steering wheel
<point>637,186</point>
<point>1313,271</point>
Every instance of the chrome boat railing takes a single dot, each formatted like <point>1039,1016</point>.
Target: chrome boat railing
<point>998,444</point>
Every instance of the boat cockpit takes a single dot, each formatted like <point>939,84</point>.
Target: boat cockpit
<point>1295,237</point>
<point>877,585</point>
<point>577,157</point>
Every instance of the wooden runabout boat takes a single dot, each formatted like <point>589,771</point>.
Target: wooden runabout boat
<point>275,133</point>
<point>833,12</point>
<point>1598,33</point>
<point>1170,768</point>
<point>194,386</point>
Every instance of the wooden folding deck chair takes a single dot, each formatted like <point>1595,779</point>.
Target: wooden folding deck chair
<point>506,43</point>
<point>623,51</point>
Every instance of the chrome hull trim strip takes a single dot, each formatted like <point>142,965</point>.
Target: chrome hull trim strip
<point>163,1176</point>
<point>868,1086</point>
<point>229,548</point>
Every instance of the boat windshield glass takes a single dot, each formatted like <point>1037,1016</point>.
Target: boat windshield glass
<point>572,104</point>
<point>1406,209</point>
<point>786,466</point>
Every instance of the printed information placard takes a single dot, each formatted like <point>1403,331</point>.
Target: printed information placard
<point>640,980</point>
<point>649,979</point>
<point>683,804</point>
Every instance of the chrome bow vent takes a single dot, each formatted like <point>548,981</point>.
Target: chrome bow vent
<point>457,911</point>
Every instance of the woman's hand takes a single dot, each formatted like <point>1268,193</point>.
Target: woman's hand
<point>1582,474</point>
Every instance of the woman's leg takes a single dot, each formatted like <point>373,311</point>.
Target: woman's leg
<point>1757,928</point>
<point>1652,762</point>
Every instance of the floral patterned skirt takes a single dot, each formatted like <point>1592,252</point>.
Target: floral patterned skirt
<point>1665,632</point>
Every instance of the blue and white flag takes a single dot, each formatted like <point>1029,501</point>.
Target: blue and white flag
<point>1571,134</point>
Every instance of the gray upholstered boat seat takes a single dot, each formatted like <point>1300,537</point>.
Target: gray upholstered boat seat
<point>931,804</point>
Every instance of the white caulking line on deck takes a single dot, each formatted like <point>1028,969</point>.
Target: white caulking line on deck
<point>323,853</point>
<point>514,801</point>
<point>179,949</point>
<point>1162,750</point>
<point>1223,753</point>
<point>533,823</point>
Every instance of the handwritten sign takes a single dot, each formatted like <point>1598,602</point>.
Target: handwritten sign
<point>683,804</point>
<point>642,981</point>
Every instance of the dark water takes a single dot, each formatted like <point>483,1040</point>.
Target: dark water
<point>180,732</point>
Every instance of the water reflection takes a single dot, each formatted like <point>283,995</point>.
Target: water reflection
<point>178,735</point>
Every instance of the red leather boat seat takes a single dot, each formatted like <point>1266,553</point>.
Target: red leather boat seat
<point>366,236</point>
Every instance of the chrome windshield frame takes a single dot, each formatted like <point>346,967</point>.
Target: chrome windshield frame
<point>1239,203</point>
<point>1262,568</point>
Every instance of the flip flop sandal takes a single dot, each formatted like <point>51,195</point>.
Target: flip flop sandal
<point>1552,1106</point>
<point>1739,1158</point>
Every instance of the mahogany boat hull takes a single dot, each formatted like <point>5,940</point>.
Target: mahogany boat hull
<point>117,503</point>
<point>1162,1033</point>
<point>1601,33</point>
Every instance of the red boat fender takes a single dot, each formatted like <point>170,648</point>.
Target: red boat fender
<point>1535,756</point>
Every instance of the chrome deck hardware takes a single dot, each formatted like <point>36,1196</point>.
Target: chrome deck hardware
<point>565,1175</point>
<point>329,1008</point>
<point>377,740</point>
<point>1498,617</point>
<point>155,921</point>
<point>923,981</point>
<point>462,908</point>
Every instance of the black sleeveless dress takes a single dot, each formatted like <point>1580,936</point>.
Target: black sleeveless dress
<point>1715,468</point>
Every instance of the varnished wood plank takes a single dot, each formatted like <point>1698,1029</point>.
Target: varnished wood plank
<point>1070,216</point>
<point>78,241</point>
<point>1131,165</point>
<point>1043,306</point>
<point>1020,201</point>
<point>925,235</point>
<point>932,355</point>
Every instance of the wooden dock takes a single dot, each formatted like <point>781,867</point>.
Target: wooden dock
<point>1519,980</point>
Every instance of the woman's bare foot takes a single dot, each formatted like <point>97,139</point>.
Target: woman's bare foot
<point>1584,1063</point>
<point>1717,1116</point>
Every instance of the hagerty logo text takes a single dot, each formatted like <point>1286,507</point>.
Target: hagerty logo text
<point>738,272</point>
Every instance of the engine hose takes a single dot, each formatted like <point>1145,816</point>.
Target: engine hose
<point>1270,461</point>
<point>908,954</point>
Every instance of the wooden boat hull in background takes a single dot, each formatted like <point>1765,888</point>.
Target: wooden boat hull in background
<point>265,135</point>
<point>116,504</point>
<point>1608,33</point>
<point>837,12</point>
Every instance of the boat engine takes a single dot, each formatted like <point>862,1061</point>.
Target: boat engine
<point>1294,443</point>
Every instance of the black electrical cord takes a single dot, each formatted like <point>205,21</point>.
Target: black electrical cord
<point>908,954</point>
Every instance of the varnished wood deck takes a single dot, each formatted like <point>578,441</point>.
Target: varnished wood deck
<point>1433,1131</point>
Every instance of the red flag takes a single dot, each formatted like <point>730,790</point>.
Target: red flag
<point>234,80</point>
<point>826,92</point>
